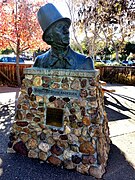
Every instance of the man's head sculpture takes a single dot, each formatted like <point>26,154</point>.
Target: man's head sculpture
<point>56,33</point>
<point>48,16</point>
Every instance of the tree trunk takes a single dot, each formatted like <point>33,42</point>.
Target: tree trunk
<point>117,54</point>
<point>18,71</point>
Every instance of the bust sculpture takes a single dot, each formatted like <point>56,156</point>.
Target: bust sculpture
<point>56,33</point>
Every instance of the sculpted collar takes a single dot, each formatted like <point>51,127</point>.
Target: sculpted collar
<point>61,58</point>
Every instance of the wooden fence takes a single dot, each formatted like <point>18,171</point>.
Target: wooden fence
<point>8,73</point>
<point>111,74</point>
<point>118,74</point>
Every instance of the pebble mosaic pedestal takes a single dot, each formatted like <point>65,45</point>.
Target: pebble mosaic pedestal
<point>60,119</point>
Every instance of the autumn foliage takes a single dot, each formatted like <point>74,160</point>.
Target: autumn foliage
<point>19,28</point>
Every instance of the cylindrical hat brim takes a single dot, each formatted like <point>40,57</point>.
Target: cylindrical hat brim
<point>61,19</point>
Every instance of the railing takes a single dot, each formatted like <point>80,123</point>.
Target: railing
<point>111,74</point>
<point>8,73</point>
<point>118,74</point>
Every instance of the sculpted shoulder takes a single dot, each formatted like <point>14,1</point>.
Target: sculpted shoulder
<point>41,60</point>
<point>81,61</point>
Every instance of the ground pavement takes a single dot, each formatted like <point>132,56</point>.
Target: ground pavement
<point>120,107</point>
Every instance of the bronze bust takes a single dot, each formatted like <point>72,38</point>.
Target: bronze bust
<point>56,33</point>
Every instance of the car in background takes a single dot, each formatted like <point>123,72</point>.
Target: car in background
<point>127,63</point>
<point>107,62</point>
<point>7,59</point>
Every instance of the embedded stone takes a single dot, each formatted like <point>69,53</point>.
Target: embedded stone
<point>18,106</point>
<point>29,91</point>
<point>73,125</point>
<point>29,116</point>
<point>10,144</point>
<point>83,93</point>
<point>46,79</point>
<point>78,115</point>
<point>55,86</point>
<point>42,156</point>
<point>56,79</point>
<point>84,131</point>
<point>59,103</point>
<point>32,143</point>
<point>83,83</point>
<point>41,109</point>
<point>50,140</point>
<point>47,131</point>
<point>66,99</point>
<point>86,120</point>
<point>34,134</point>
<point>87,148</point>
<point>83,103</point>
<point>25,106</point>
<point>55,149</point>
<point>33,110</point>
<point>26,130</point>
<point>42,136</point>
<point>97,171</point>
<point>92,98</point>
<point>80,124</point>
<point>65,86</point>
<point>92,92</point>
<point>72,118</point>
<point>67,130</point>
<point>36,119</point>
<point>74,148</point>
<point>63,137</point>
<point>12,136</point>
<point>72,138</point>
<point>32,97</point>
<point>62,144</point>
<point>68,164</point>
<point>67,154</point>
<point>52,98</point>
<point>19,115</point>
<point>20,147</point>
<point>24,137</point>
<point>32,154</point>
<point>33,104</point>
<point>88,159</point>
<point>41,103</point>
<point>54,160</point>
<point>27,82</point>
<point>82,139</point>
<point>44,147</point>
<point>56,136</point>
<point>45,85</point>
<point>37,81</point>
<point>29,76</point>
<point>76,159</point>
<point>39,98</point>
<point>77,132</point>
<point>22,123</point>
<point>72,110</point>
<point>64,80</point>
<point>75,84</point>
<point>84,169</point>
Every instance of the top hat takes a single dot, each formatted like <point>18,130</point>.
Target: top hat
<point>48,15</point>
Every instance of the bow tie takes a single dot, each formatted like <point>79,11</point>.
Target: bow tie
<point>59,61</point>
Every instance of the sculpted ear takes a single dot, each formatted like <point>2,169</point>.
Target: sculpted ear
<point>48,38</point>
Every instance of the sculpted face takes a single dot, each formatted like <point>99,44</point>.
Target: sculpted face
<point>60,33</point>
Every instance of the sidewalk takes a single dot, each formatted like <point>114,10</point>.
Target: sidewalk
<point>120,107</point>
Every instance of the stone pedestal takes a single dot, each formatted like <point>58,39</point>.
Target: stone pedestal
<point>60,118</point>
